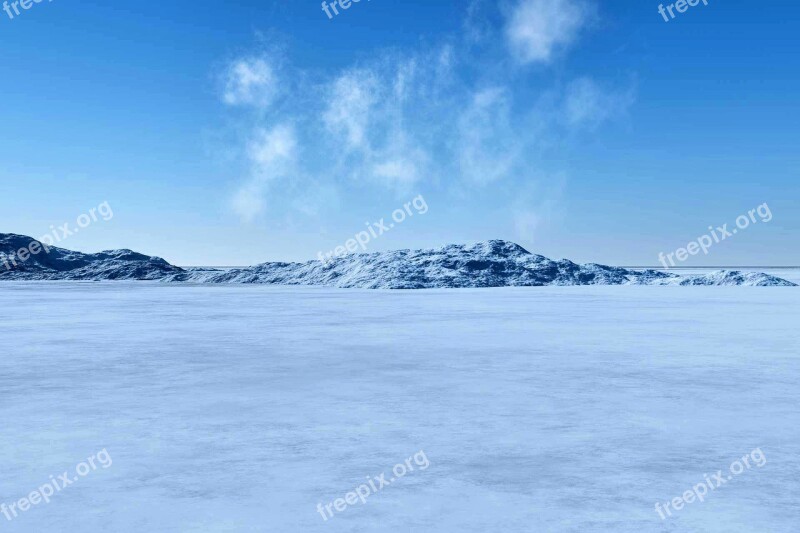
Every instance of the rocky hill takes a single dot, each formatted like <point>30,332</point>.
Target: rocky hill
<point>24,258</point>
<point>486,264</point>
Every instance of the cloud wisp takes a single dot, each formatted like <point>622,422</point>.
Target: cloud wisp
<point>250,81</point>
<point>409,118</point>
<point>537,29</point>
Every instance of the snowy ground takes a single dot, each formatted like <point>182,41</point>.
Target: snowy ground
<point>229,408</point>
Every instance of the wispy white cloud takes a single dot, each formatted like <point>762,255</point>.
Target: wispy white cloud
<point>271,154</point>
<point>250,82</point>
<point>350,100</point>
<point>404,119</point>
<point>477,24</point>
<point>537,206</point>
<point>587,104</point>
<point>367,109</point>
<point>537,29</point>
<point>400,165</point>
<point>488,146</point>
<point>270,150</point>
<point>399,172</point>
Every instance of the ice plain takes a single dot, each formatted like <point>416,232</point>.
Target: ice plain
<point>232,408</point>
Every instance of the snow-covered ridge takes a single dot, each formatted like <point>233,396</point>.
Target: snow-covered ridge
<point>61,264</point>
<point>493,263</point>
<point>486,264</point>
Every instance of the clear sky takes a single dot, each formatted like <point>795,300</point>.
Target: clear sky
<point>236,133</point>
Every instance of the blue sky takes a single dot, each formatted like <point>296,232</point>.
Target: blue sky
<point>235,134</point>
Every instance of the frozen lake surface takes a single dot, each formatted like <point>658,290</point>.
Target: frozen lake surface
<point>549,409</point>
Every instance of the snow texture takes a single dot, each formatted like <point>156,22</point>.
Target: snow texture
<point>486,264</point>
<point>230,408</point>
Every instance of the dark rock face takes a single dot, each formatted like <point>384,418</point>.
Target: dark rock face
<point>486,264</point>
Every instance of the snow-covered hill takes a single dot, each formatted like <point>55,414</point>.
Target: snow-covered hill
<point>60,264</point>
<point>486,264</point>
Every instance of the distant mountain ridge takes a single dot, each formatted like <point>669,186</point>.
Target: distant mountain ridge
<point>494,263</point>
